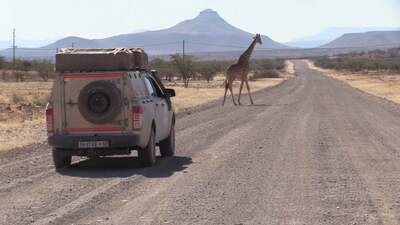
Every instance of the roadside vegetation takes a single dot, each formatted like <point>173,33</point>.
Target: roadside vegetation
<point>175,68</point>
<point>26,70</point>
<point>189,70</point>
<point>372,61</point>
<point>375,72</point>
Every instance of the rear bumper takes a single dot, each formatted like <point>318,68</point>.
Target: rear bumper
<point>117,141</point>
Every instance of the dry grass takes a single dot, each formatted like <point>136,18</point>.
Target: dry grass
<point>383,85</point>
<point>21,110</point>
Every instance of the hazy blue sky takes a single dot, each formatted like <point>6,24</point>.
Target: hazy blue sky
<point>282,20</point>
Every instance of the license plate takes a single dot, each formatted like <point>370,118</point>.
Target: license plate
<point>93,144</point>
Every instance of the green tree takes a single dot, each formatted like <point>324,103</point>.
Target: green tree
<point>208,69</point>
<point>2,62</point>
<point>185,68</point>
<point>45,69</point>
<point>164,68</point>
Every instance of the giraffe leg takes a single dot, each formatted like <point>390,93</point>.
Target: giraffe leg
<point>248,90</point>
<point>240,91</point>
<point>230,89</point>
<point>226,90</point>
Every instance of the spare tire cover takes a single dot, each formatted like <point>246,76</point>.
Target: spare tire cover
<point>100,102</point>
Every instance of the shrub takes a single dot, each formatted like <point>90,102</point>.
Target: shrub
<point>2,62</point>
<point>40,100</point>
<point>208,69</point>
<point>273,73</point>
<point>3,75</point>
<point>267,68</point>
<point>17,99</point>
<point>370,61</point>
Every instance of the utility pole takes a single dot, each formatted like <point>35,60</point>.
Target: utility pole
<point>183,62</point>
<point>14,49</point>
<point>183,52</point>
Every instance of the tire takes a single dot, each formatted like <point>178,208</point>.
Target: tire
<point>60,159</point>
<point>167,146</point>
<point>147,155</point>
<point>100,102</point>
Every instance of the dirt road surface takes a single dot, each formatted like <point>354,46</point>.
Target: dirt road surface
<point>312,151</point>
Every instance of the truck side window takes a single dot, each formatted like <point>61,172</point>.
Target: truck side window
<point>149,87</point>
<point>158,90</point>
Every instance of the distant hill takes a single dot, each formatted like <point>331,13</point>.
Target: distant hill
<point>26,43</point>
<point>378,39</point>
<point>68,42</point>
<point>330,34</point>
<point>207,32</point>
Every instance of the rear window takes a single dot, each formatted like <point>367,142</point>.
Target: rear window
<point>138,85</point>
<point>149,86</point>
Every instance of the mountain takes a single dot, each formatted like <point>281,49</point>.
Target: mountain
<point>330,34</point>
<point>206,33</point>
<point>72,41</point>
<point>371,39</point>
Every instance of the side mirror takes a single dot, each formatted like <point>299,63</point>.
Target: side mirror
<point>154,73</point>
<point>168,93</point>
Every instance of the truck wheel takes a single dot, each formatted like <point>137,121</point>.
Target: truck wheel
<point>167,146</point>
<point>61,159</point>
<point>147,155</point>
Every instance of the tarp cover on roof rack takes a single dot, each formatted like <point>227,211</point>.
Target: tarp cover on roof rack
<point>80,59</point>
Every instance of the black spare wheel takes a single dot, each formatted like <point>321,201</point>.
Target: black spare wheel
<point>100,102</point>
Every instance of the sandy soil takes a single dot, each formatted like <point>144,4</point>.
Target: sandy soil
<point>383,85</point>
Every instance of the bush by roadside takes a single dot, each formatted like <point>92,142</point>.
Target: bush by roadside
<point>26,70</point>
<point>377,60</point>
<point>267,68</point>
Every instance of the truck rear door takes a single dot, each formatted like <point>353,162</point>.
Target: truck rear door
<point>95,102</point>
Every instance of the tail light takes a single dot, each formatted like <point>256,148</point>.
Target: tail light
<point>49,120</point>
<point>137,118</point>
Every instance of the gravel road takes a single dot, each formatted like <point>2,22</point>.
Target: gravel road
<point>312,151</point>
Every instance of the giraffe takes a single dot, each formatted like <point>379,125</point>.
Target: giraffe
<point>241,70</point>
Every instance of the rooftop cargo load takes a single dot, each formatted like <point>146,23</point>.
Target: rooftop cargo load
<point>81,59</point>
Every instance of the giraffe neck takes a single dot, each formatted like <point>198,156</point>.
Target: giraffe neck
<point>245,57</point>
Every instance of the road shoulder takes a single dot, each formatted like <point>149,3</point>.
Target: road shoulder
<point>382,85</point>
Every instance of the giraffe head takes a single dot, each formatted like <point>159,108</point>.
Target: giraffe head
<point>257,38</point>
